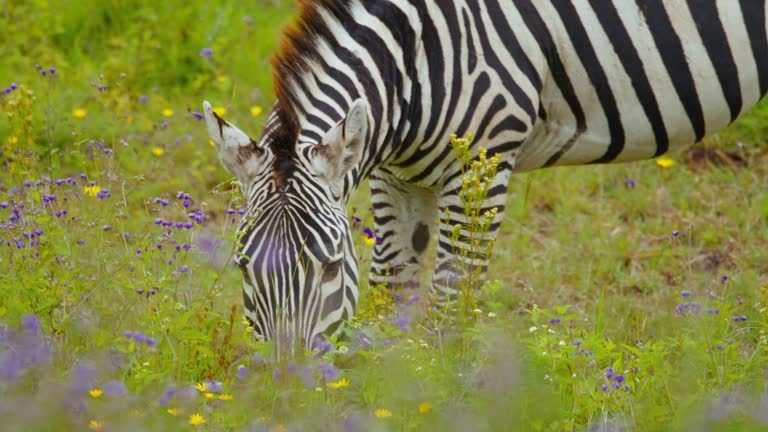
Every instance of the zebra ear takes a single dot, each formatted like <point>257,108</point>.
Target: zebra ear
<point>237,151</point>
<point>342,147</point>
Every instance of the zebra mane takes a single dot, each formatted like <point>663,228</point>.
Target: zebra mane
<point>297,51</point>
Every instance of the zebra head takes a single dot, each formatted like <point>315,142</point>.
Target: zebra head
<point>300,278</point>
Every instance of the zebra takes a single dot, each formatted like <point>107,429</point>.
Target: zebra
<point>374,88</point>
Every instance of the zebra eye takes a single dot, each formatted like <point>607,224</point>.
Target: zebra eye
<point>331,271</point>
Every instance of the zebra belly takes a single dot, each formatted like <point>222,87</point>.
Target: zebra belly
<point>638,85</point>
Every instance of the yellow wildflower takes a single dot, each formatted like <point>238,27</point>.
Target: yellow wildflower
<point>95,393</point>
<point>424,407</point>
<point>13,140</point>
<point>196,419</point>
<point>369,241</point>
<point>208,395</point>
<point>201,387</point>
<point>342,383</point>
<point>95,425</point>
<point>221,78</point>
<point>665,162</point>
<point>79,113</point>
<point>382,413</point>
<point>220,111</point>
<point>210,143</point>
<point>92,190</point>
<point>168,112</point>
<point>158,151</point>
<point>226,397</point>
<point>256,111</point>
<point>174,411</point>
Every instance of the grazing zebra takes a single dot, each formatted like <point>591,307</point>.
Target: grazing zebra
<point>373,89</point>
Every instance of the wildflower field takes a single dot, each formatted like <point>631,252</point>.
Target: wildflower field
<point>628,297</point>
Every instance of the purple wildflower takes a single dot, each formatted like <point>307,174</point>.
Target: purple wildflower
<point>619,379</point>
<point>713,311</point>
<point>685,294</point>
<point>323,345</point>
<point>604,388</point>
<point>52,70</point>
<point>197,115</point>
<point>413,299</point>
<point>740,318</point>
<point>723,279</point>
<point>609,373</point>
<point>139,337</point>
<point>101,87</point>
<point>554,321</point>
<point>31,323</point>
<point>368,232</point>
<point>212,386</point>
<point>183,269</point>
<point>106,228</point>
<point>81,378</point>
<point>103,194</point>
<point>167,395</point>
<point>206,52</point>
<point>630,183</point>
<point>675,233</point>
<point>242,373</point>
<point>402,323</point>
<point>328,371</point>
<point>114,388</point>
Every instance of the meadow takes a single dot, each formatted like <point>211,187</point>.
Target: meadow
<point>626,297</point>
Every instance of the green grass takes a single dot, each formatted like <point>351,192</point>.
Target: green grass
<point>587,272</point>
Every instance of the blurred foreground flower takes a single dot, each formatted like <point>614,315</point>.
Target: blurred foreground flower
<point>665,162</point>
<point>342,383</point>
<point>139,337</point>
<point>167,112</point>
<point>220,111</point>
<point>424,407</point>
<point>158,151</point>
<point>382,413</point>
<point>79,113</point>
<point>95,425</point>
<point>256,111</point>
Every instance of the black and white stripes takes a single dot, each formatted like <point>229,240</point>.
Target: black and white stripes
<point>373,89</point>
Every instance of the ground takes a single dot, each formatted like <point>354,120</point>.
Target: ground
<point>628,297</point>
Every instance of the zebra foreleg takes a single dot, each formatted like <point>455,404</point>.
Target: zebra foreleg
<point>404,220</point>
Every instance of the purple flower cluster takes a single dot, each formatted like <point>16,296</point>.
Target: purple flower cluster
<point>22,350</point>
<point>8,90</point>
<point>328,371</point>
<point>368,232</point>
<point>692,307</point>
<point>98,146</point>
<point>741,318</point>
<point>139,337</point>
<point>615,381</point>
<point>46,71</point>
